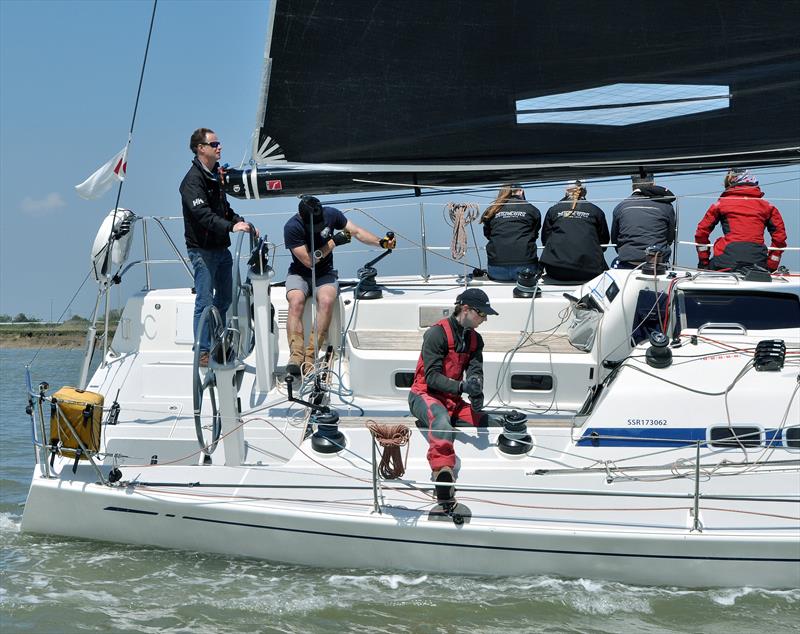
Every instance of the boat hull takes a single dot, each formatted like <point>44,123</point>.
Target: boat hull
<point>407,539</point>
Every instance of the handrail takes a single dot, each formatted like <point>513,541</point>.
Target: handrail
<point>130,265</point>
<point>720,325</point>
<point>174,248</point>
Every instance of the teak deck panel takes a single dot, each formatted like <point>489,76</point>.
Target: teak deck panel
<point>492,341</point>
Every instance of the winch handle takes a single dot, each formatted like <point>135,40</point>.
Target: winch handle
<point>371,263</point>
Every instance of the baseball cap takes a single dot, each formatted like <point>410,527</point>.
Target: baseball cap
<point>477,299</point>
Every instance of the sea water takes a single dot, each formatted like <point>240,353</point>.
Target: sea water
<point>54,584</point>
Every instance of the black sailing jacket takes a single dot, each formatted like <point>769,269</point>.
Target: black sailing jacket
<point>572,237</point>
<point>207,217</point>
<point>512,234</point>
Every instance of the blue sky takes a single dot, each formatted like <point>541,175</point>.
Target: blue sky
<point>69,73</point>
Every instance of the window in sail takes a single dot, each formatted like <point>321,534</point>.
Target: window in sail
<point>792,437</point>
<point>735,436</point>
<point>403,379</point>
<point>532,382</point>
<point>754,310</point>
<point>623,104</point>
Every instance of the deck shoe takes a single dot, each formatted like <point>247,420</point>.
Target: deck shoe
<point>444,494</point>
<point>203,359</point>
<point>295,354</point>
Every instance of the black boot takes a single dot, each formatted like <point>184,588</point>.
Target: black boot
<point>444,494</point>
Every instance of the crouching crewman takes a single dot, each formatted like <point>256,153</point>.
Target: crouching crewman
<point>450,364</point>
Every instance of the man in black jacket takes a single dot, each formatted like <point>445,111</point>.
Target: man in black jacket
<point>207,221</point>
<point>645,219</point>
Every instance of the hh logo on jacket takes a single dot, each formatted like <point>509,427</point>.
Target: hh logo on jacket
<point>197,202</point>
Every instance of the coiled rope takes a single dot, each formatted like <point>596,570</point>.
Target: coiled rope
<point>461,214</point>
<point>391,438</point>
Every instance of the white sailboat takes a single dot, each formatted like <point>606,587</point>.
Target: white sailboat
<point>668,459</point>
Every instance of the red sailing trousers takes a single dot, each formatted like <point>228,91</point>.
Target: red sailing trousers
<point>441,410</point>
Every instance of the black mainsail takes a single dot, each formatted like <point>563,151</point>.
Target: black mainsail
<point>470,91</point>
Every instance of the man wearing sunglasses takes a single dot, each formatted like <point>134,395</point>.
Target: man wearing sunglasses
<point>450,364</point>
<point>207,221</point>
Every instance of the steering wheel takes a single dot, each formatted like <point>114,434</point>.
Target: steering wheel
<point>207,380</point>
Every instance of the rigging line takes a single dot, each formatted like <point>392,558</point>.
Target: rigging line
<point>130,131</point>
<point>410,241</point>
<point>194,453</point>
<point>411,493</point>
<point>744,370</point>
<point>61,316</point>
<point>772,446</point>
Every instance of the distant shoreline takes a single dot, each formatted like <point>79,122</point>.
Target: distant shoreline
<point>39,336</point>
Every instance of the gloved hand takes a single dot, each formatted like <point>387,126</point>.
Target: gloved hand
<point>473,386</point>
<point>773,261</point>
<point>388,243</point>
<point>342,237</point>
<point>476,402</point>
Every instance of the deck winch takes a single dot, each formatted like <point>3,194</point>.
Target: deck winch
<point>528,283</point>
<point>515,439</point>
<point>368,287</point>
<point>658,355</point>
<point>327,438</point>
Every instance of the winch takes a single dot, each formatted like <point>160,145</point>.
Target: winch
<point>515,439</point>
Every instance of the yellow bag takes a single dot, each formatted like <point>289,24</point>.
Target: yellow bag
<point>84,411</point>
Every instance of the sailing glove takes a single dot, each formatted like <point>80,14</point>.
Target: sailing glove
<point>472,386</point>
<point>342,237</point>
<point>476,402</point>
<point>388,243</point>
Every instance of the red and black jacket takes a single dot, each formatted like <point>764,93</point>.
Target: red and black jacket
<point>449,353</point>
<point>744,215</point>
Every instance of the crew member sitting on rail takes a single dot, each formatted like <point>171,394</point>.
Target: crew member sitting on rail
<point>450,364</point>
<point>329,228</point>
<point>572,234</point>
<point>744,215</point>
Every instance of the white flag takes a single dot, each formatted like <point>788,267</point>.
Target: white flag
<point>102,180</point>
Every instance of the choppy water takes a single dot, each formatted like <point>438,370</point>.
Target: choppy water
<point>53,584</point>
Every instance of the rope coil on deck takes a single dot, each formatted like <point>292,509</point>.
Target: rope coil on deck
<point>391,438</point>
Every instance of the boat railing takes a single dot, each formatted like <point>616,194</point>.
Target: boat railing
<point>385,216</point>
<point>695,496</point>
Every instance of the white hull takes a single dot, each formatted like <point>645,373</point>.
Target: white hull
<point>406,539</point>
<point>607,492</point>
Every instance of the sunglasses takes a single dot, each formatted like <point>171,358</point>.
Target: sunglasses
<point>479,313</point>
<point>214,144</point>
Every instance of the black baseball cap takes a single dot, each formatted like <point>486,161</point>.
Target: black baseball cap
<point>477,299</point>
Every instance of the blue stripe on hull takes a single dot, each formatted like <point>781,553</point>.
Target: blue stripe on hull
<point>658,437</point>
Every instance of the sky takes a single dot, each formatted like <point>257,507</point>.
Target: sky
<point>69,72</point>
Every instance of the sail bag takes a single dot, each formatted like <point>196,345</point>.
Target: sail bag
<point>84,411</point>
